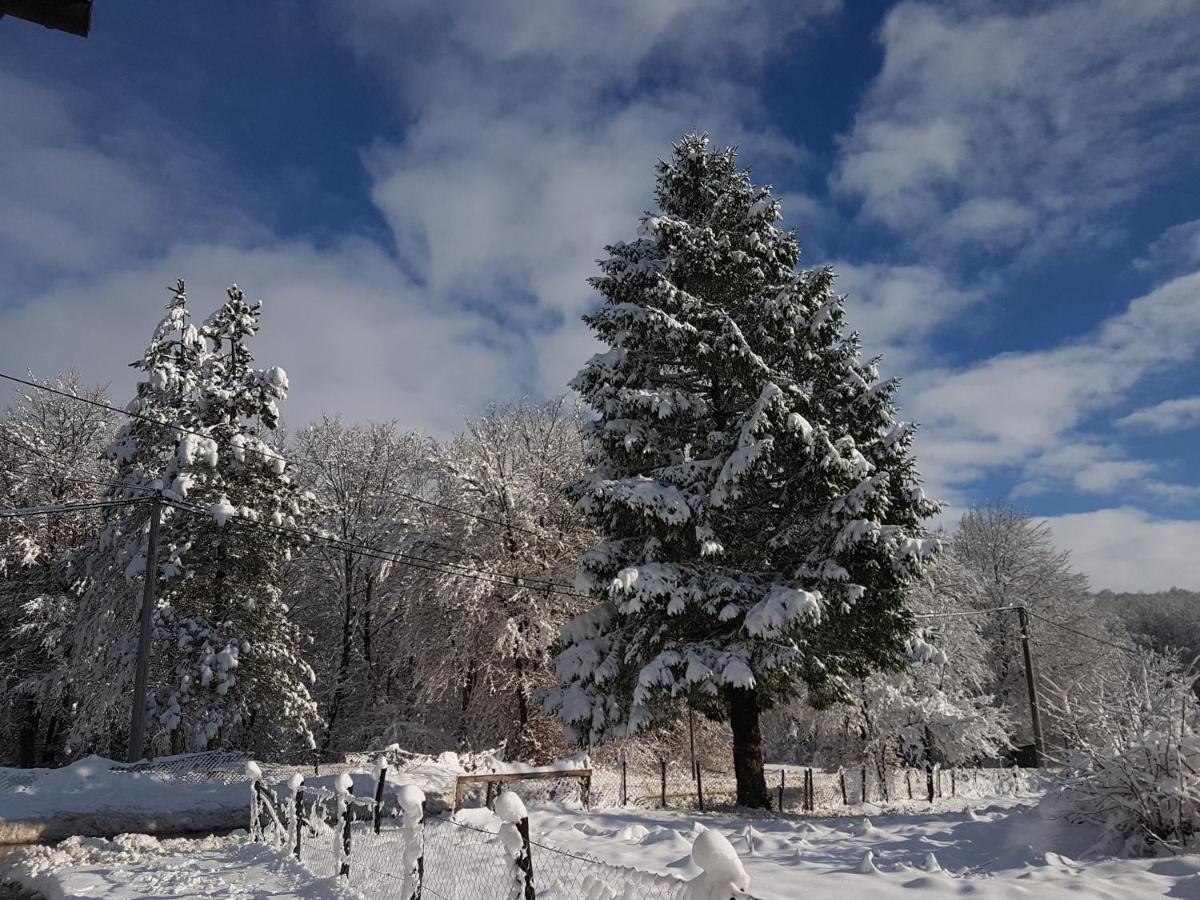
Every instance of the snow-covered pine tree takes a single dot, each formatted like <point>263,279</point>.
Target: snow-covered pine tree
<point>226,657</point>
<point>758,495</point>
<point>97,670</point>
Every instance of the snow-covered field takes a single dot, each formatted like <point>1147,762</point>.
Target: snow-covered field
<point>1005,850</point>
<point>101,797</point>
<point>1008,849</point>
<point>140,866</point>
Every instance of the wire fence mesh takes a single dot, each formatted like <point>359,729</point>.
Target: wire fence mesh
<point>672,784</point>
<point>356,829</point>
<point>408,855</point>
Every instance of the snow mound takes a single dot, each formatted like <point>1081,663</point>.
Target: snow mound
<point>722,874</point>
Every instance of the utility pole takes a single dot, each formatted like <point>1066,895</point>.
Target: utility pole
<point>137,725</point>
<point>1039,749</point>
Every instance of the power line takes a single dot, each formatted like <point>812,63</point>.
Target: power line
<point>1083,634</point>
<point>396,557</point>
<point>113,485</point>
<point>1132,651</point>
<point>970,612</point>
<point>264,453</point>
<point>66,508</point>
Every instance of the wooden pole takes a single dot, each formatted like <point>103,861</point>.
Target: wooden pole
<point>525,863</point>
<point>1039,749</point>
<point>299,816</point>
<point>377,813</point>
<point>137,725</point>
<point>624,781</point>
<point>347,818</point>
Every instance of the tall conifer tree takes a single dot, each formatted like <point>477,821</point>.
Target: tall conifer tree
<point>757,493</point>
<point>226,665</point>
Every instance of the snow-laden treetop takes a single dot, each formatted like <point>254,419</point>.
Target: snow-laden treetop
<point>756,489</point>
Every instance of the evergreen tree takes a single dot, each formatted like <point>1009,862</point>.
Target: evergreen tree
<point>757,493</point>
<point>226,664</point>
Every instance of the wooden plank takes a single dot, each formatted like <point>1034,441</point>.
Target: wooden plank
<point>462,781</point>
<point>505,777</point>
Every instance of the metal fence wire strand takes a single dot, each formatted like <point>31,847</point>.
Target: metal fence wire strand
<point>356,828</point>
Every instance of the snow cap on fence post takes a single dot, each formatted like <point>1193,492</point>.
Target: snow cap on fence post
<point>344,785</point>
<point>254,773</point>
<point>514,835</point>
<point>412,803</point>
<point>510,808</point>
<point>721,875</point>
<point>296,786</point>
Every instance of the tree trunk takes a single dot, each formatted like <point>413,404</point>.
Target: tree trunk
<point>747,748</point>
<point>929,789</point>
<point>28,733</point>
<point>521,737</point>
<point>50,747</point>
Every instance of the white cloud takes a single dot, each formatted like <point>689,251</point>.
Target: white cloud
<point>525,149</point>
<point>995,127</point>
<point>356,336</point>
<point>1124,549</point>
<point>1176,248</point>
<point>1028,411</point>
<point>1170,415</point>
<point>898,308</point>
<point>75,197</point>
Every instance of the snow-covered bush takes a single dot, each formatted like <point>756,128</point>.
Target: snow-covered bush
<point>1134,766</point>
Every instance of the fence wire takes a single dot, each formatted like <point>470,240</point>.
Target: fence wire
<point>453,860</point>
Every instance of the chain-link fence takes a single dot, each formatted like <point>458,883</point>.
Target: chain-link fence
<point>408,854</point>
<point>673,784</point>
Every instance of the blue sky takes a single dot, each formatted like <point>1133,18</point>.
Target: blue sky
<point>1010,193</point>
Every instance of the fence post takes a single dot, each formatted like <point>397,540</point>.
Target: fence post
<point>624,781</point>
<point>700,786</point>
<point>810,790</point>
<point>421,859</point>
<point>862,776</point>
<point>585,790</point>
<point>953,784</point>
<point>663,763</point>
<point>345,792</point>
<point>842,782</point>
<point>908,781</point>
<point>381,767</point>
<point>254,773</point>
<point>525,862</point>
<point>782,778</point>
<point>297,785</point>
<point>412,804</point>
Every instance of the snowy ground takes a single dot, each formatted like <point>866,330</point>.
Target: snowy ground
<point>100,797</point>
<point>1005,850</point>
<point>139,866</point>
